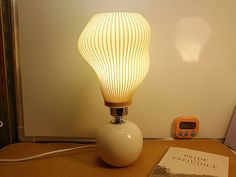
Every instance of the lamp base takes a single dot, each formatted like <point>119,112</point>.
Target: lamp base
<point>119,144</point>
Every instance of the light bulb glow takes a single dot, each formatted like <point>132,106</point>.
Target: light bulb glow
<point>116,45</point>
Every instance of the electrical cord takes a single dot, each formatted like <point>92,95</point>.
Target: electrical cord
<point>45,154</point>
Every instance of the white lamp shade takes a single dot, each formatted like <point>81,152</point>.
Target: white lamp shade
<point>116,45</point>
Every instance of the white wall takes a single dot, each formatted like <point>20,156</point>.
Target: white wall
<point>193,59</point>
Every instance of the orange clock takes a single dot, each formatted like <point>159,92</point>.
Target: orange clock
<point>186,127</point>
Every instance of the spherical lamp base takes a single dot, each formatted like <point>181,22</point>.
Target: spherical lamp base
<point>119,144</point>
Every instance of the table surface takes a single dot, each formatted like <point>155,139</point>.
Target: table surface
<point>85,162</point>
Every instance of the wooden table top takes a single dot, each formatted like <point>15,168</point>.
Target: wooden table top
<point>85,162</point>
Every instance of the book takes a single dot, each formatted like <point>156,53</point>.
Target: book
<point>182,162</point>
<point>230,139</point>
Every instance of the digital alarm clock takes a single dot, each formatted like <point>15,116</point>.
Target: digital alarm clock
<point>186,127</point>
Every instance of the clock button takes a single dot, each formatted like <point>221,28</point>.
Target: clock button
<point>186,134</point>
<point>180,134</point>
<point>193,134</point>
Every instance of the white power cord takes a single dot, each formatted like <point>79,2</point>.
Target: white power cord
<point>45,154</point>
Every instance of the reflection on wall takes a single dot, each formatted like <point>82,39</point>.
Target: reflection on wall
<point>192,33</point>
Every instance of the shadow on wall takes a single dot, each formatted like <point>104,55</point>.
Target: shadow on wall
<point>192,33</point>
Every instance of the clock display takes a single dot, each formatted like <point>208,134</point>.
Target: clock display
<point>187,125</point>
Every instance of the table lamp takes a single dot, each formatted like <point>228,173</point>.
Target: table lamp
<point>116,45</point>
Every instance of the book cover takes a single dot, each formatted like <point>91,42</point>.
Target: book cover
<point>181,162</point>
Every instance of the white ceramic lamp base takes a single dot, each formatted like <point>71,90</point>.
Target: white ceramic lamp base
<point>119,144</point>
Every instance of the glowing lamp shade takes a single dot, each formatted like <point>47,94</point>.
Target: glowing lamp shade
<point>116,45</point>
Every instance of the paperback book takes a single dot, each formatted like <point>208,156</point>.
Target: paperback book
<point>181,162</point>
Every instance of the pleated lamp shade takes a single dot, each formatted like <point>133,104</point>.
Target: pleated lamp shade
<point>116,45</point>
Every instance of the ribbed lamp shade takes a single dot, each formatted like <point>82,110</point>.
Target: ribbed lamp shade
<point>116,45</point>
